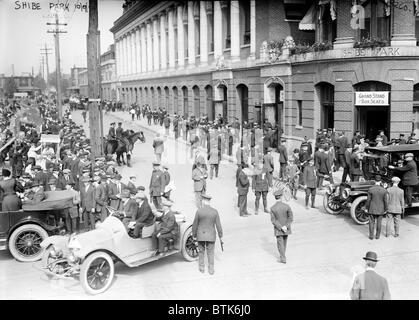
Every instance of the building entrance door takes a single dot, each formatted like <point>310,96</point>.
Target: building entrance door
<point>372,119</point>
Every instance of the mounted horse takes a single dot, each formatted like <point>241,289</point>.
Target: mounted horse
<point>122,145</point>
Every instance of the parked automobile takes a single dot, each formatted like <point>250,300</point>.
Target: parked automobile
<point>353,195</point>
<point>92,255</point>
<point>21,232</point>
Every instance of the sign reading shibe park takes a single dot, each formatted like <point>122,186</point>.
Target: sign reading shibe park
<point>371,98</point>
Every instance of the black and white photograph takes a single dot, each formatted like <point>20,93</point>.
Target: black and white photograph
<point>168,150</point>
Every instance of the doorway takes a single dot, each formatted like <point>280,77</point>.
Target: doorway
<point>371,120</point>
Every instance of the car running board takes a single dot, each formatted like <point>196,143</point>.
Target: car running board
<point>153,258</point>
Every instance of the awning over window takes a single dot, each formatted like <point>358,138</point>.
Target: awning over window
<point>309,20</point>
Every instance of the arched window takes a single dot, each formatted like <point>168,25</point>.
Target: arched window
<point>209,103</point>
<point>185,107</point>
<point>166,99</point>
<point>146,96</point>
<point>243,94</point>
<point>152,101</point>
<point>196,101</point>
<point>159,102</point>
<point>175,100</point>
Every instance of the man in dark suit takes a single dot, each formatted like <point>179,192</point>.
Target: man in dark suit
<point>36,195</point>
<point>410,177</point>
<point>267,140</point>
<point>260,185</point>
<point>167,229</point>
<point>242,191</point>
<point>114,191</point>
<point>283,159</point>
<point>119,131</point>
<point>128,205</point>
<point>369,285</point>
<point>342,145</point>
<point>323,166</point>
<point>156,185</point>
<point>88,203</point>
<point>143,215</point>
<point>102,198</point>
<point>377,205</point>
<point>281,218</point>
<point>40,176</point>
<point>203,230</point>
<point>355,171</point>
<point>310,182</point>
<point>268,165</point>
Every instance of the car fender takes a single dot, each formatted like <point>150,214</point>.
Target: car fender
<point>57,241</point>
<point>357,193</point>
<point>182,230</point>
<point>49,229</point>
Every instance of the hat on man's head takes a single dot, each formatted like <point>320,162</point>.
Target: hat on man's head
<point>141,188</point>
<point>37,167</point>
<point>96,178</point>
<point>278,193</point>
<point>370,255</point>
<point>206,197</point>
<point>66,171</point>
<point>35,183</point>
<point>395,179</point>
<point>140,195</point>
<point>377,178</point>
<point>156,163</point>
<point>408,155</point>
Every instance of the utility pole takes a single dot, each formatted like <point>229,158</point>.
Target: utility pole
<point>93,80</point>
<point>56,33</point>
<point>46,52</point>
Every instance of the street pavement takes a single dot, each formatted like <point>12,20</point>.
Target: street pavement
<point>323,250</point>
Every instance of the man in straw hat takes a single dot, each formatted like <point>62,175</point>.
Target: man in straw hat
<point>377,205</point>
<point>143,216</point>
<point>167,229</point>
<point>281,218</point>
<point>369,285</point>
<point>395,206</point>
<point>203,230</point>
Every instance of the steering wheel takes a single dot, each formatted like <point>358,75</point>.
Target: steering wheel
<point>115,213</point>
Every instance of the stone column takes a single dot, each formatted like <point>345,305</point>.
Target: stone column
<point>138,49</point>
<point>122,63</point>
<point>129,43</point>
<point>149,48</point>
<point>180,37</point>
<point>191,34</point>
<point>156,47</point>
<point>252,54</point>
<point>171,39</point>
<point>163,41</point>
<point>235,30</point>
<point>218,31</point>
<point>143,48</point>
<point>134,51</point>
<point>203,34</point>
<point>345,33</point>
<point>126,55</point>
<point>118,58</point>
<point>403,25</point>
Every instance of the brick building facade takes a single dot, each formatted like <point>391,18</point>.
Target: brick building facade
<point>298,63</point>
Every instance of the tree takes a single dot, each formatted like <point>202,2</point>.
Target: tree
<point>10,87</point>
<point>52,80</point>
<point>39,82</point>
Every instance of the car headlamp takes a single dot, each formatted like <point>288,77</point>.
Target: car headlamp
<point>71,257</point>
<point>346,193</point>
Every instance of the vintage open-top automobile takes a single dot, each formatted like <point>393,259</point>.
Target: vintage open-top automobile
<point>92,255</point>
<point>338,197</point>
<point>23,231</point>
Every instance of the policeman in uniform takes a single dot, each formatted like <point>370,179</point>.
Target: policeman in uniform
<point>281,218</point>
<point>203,230</point>
<point>157,184</point>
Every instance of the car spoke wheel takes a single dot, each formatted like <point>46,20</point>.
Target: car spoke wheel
<point>25,243</point>
<point>358,212</point>
<point>333,204</point>
<point>189,248</point>
<point>97,272</point>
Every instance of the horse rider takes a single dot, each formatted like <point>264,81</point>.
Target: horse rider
<point>112,133</point>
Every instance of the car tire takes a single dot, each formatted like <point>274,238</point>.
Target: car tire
<point>328,209</point>
<point>92,270</point>
<point>356,214</point>
<point>25,243</point>
<point>189,249</point>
